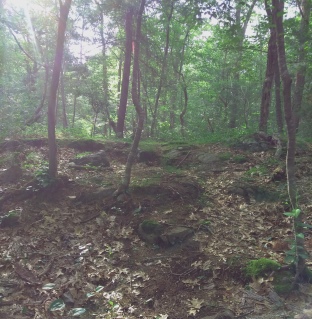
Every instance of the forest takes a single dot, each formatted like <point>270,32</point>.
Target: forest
<point>155,159</point>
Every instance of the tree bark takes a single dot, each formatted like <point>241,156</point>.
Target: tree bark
<point>137,103</point>
<point>64,11</point>
<point>269,75</point>
<point>278,100</point>
<point>162,72</point>
<point>126,76</point>
<point>241,32</point>
<point>302,65</point>
<point>64,115</point>
<point>104,71</point>
<point>290,118</point>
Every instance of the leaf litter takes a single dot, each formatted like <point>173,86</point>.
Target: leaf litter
<point>60,263</point>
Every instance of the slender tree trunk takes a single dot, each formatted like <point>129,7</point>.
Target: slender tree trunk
<point>74,110</point>
<point>269,75</point>
<point>278,100</point>
<point>182,114</point>
<point>104,71</point>
<point>64,115</point>
<point>137,103</point>
<point>126,76</point>
<point>241,32</point>
<point>162,72</point>
<point>302,65</point>
<point>64,10</point>
<point>290,118</point>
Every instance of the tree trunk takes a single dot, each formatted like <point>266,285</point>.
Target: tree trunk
<point>74,110</point>
<point>291,131</point>
<point>182,114</point>
<point>64,115</point>
<point>269,75</point>
<point>302,65</point>
<point>162,72</point>
<point>126,76</point>
<point>64,10</point>
<point>278,100</point>
<point>104,71</point>
<point>240,34</point>
<point>137,103</point>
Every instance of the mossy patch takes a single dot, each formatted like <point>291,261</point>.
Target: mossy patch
<point>261,267</point>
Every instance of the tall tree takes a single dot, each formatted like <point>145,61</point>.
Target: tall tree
<point>169,11</point>
<point>291,120</point>
<point>242,19</point>
<point>137,103</point>
<point>305,8</point>
<point>57,66</point>
<point>126,75</point>
<point>269,74</point>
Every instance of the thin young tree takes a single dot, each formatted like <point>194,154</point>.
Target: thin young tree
<point>57,66</point>
<point>135,91</point>
<point>126,75</point>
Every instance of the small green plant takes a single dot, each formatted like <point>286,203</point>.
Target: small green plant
<point>261,267</point>
<point>42,176</point>
<point>296,250</point>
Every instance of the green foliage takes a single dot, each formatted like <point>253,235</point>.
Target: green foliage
<point>261,267</point>
<point>43,178</point>
<point>36,130</point>
<point>81,130</point>
<point>296,251</point>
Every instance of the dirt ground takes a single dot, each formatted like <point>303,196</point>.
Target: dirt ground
<point>75,247</point>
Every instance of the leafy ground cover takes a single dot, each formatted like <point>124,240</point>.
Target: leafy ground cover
<point>73,250</point>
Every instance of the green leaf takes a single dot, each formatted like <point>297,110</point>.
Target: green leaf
<point>300,235</point>
<point>289,259</point>
<point>297,212</point>
<point>76,312</point>
<point>56,305</point>
<point>289,214</point>
<point>303,255</point>
<point>48,286</point>
<point>99,288</point>
<point>90,294</point>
